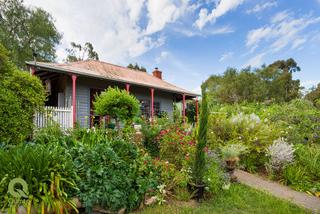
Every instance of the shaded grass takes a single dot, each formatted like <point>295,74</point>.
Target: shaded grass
<point>238,199</point>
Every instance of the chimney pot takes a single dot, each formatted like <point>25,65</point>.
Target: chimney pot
<point>157,73</point>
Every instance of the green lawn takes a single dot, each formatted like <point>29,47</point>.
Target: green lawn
<point>238,199</point>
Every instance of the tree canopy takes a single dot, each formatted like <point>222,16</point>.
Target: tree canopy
<point>79,52</point>
<point>27,32</point>
<point>314,96</point>
<point>272,83</point>
<point>137,67</point>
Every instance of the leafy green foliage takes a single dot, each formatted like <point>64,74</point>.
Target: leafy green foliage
<point>113,175</point>
<point>151,131</point>
<point>116,103</point>
<point>199,162</point>
<point>314,96</point>
<point>48,171</point>
<point>257,125</point>
<point>77,52</point>
<point>50,134</point>
<point>272,83</point>
<point>150,141</point>
<point>23,30</point>
<point>191,111</point>
<point>304,173</point>
<point>20,96</point>
<point>214,176</point>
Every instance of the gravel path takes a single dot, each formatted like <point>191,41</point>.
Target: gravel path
<point>280,191</point>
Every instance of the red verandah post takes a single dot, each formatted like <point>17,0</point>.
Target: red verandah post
<point>184,108</point>
<point>152,103</point>
<point>74,100</point>
<point>197,109</point>
<point>128,87</point>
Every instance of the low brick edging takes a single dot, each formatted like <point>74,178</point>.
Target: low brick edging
<point>280,191</point>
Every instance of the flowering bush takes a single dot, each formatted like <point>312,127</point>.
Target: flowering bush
<point>281,154</point>
<point>177,146</point>
<point>248,129</point>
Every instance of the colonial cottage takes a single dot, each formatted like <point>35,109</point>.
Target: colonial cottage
<point>72,86</point>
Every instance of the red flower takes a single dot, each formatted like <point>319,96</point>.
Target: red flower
<point>205,149</point>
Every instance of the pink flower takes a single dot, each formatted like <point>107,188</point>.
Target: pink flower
<point>191,143</point>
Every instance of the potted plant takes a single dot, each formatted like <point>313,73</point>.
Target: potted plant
<point>230,154</point>
<point>200,161</point>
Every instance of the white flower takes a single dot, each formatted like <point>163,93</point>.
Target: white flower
<point>281,154</point>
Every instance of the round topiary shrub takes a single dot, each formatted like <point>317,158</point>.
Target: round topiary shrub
<point>117,103</point>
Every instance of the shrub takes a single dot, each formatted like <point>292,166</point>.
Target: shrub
<point>281,154</point>
<point>20,96</point>
<point>248,129</point>
<point>48,171</point>
<point>50,134</point>
<point>151,133</point>
<point>117,103</point>
<point>113,175</point>
<point>177,146</point>
<point>304,173</point>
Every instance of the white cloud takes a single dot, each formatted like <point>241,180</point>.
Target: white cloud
<point>222,7</point>
<point>163,55</point>
<point>226,56</point>
<point>255,61</point>
<point>280,16</point>
<point>263,6</point>
<point>298,42</point>
<point>118,29</point>
<point>282,31</point>
<point>206,32</point>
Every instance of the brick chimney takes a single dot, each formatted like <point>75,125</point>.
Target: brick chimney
<point>157,73</point>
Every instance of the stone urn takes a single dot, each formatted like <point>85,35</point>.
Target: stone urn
<point>231,165</point>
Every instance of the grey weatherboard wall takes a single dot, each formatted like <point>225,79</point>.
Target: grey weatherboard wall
<point>84,85</point>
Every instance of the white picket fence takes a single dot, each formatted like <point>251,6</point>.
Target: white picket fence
<point>50,115</point>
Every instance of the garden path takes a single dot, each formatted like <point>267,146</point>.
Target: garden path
<point>280,191</point>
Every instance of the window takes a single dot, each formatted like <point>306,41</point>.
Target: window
<point>156,107</point>
<point>145,107</point>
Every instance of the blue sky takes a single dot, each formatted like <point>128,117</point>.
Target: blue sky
<point>191,40</point>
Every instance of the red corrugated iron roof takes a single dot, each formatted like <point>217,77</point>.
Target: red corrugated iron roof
<point>99,69</point>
